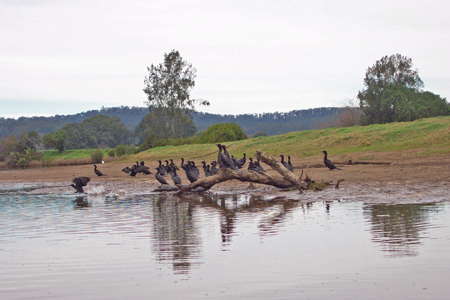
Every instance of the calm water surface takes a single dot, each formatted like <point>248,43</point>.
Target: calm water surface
<point>221,247</point>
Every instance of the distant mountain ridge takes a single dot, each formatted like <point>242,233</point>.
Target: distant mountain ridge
<point>269,123</point>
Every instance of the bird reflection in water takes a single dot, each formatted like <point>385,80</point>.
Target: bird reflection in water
<point>81,202</point>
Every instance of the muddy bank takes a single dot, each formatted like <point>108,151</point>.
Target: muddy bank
<point>404,167</point>
<point>405,179</point>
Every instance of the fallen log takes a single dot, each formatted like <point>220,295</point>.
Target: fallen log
<point>281,169</point>
<point>225,174</point>
<point>285,179</point>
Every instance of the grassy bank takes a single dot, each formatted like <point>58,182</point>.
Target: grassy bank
<point>70,157</point>
<point>426,137</point>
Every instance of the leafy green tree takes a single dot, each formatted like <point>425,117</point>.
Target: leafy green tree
<point>407,104</point>
<point>162,124</point>
<point>106,131</point>
<point>96,132</point>
<point>392,92</point>
<point>7,145</point>
<point>55,140</point>
<point>29,140</point>
<point>168,86</point>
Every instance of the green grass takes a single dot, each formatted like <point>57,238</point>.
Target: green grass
<point>51,155</point>
<point>427,136</point>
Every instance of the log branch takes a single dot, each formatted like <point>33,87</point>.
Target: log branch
<point>282,170</point>
<point>285,179</point>
<point>242,175</point>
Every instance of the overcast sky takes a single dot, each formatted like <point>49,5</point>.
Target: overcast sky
<point>67,56</point>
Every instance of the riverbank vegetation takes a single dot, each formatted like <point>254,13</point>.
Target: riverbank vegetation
<point>425,137</point>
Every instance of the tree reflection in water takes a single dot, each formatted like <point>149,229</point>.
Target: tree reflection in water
<point>177,236</point>
<point>399,228</point>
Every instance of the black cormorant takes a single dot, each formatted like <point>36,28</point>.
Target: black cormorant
<point>79,182</point>
<point>97,171</point>
<point>213,169</point>
<point>175,178</point>
<point>159,176</point>
<point>241,162</point>
<point>328,162</point>
<point>290,167</point>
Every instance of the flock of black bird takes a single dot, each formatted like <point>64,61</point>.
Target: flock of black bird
<point>224,160</point>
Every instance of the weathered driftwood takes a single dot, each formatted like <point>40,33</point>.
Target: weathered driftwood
<point>242,175</point>
<point>285,179</point>
<point>281,169</point>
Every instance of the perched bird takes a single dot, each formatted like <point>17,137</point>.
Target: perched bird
<point>183,165</point>
<point>224,159</point>
<point>206,169</point>
<point>241,162</point>
<point>175,178</point>
<point>283,162</point>
<point>220,156</point>
<point>290,167</point>
<point>79,182</point>
<point>195,170</point>
<point>255,166</point>
<point>213,169</point>
<point>258,166</point>
<point>97,171</point>
<point>328,162</point>
<point>172,165</point>
<point>162,169</point>
<point>251,165</point>
<point>159,176</point>
<point>191,170</point>
<point>142,168</point>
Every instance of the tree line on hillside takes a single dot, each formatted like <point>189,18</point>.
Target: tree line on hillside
<point>131,117</point>
<point>96,132</point>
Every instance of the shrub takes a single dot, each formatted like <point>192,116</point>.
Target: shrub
<point>22,159</point>
<point>122,150</point>
<point>223,132</point>
<point>96,157</point>
<point>111,153</point>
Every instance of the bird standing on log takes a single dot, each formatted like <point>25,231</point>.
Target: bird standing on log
<point>289,164</point>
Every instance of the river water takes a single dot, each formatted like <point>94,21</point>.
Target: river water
<point>221,247</point>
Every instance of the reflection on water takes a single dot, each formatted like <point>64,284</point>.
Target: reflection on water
<point>176,237</point>
<point>222,246</point>
<point>399,228</point>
